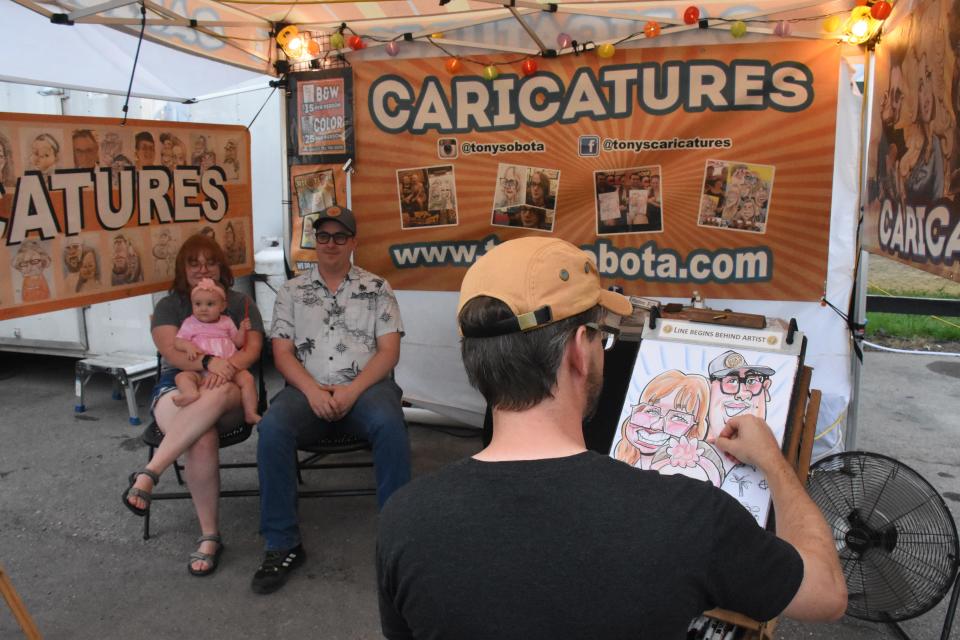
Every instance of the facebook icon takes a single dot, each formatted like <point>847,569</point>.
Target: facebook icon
<point>589,146</point>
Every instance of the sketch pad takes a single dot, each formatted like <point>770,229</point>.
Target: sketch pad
<point>673,403</point>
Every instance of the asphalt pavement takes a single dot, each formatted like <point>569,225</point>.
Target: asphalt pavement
<point>78,560</point>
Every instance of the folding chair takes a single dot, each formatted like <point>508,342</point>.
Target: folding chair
<point>319,451</point>
<point>152,437</point>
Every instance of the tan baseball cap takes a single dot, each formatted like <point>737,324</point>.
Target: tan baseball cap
<point>542,280</point>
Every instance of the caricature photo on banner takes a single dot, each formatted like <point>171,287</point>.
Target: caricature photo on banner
<point>658,161</point>
<point>913,169</point>
<point>92,211</point>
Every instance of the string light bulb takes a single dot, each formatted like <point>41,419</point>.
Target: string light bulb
<point>860,26</point>
<point>529,67</point>
<point>880,10</point>
<point>651,29</point>
<point>453,65</point>
<point>606,50</point>
<point>392,48</point>
<point>691,15</point>
<point>490,72</point>
<point>336,41</point>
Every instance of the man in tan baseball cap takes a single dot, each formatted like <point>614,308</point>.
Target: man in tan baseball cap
<point>537,537</point>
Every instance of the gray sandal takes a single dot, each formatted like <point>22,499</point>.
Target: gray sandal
<point>143,495</point>
<point>211,560</point>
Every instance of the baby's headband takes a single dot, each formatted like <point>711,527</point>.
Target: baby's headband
<point>207,284</point>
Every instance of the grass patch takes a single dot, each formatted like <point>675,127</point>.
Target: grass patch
<point>902,326</point>
<point>899,325</point>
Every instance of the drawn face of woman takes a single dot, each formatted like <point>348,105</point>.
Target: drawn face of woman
<point>529,218</point>
<point>88,267</point>
<point>30,263</point>
<point>42,155</point>
<point>653,424</point>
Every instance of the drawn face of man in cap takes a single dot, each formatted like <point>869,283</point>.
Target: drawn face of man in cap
<point>737,388</point>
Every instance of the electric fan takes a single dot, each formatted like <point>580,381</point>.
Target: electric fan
<point>896,539</point>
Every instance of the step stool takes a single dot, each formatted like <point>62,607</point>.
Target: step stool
<point>126,369</point>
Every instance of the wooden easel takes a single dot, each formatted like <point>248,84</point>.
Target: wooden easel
<point>798,447</point>
<point>16,606</point>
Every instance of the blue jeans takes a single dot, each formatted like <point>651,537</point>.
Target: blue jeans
<point>377,416</point>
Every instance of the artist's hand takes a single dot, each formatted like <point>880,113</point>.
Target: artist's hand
<point>321,401</point>
<point>222,368</point>
<point>749,439</point>
<point>344,397</point>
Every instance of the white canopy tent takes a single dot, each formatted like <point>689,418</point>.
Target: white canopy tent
<point>241,35</point>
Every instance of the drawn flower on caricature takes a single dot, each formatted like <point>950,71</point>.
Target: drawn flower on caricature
<point>685,453</point>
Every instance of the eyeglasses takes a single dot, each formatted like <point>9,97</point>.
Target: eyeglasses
<point>675,422</point>
<point>209,265</point>
<point>609,328</point>
<point>731,384</point>
<point>509,182</point>
<point>33,262</point>
<point>338,238</point>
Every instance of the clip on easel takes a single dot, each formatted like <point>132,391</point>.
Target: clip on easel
<point>16,606</point>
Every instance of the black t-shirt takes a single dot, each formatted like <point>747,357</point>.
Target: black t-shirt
<point>577,547</point>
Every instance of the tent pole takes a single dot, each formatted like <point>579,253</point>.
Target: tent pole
<point>859,307</point>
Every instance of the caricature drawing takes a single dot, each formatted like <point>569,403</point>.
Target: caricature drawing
<point>671,406</point>
<point>736,388</point>
<point>681,396</point>
<point>164,254</point>
<point>32,260</point>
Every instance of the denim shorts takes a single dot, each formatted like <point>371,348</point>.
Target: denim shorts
<point>165,384</point>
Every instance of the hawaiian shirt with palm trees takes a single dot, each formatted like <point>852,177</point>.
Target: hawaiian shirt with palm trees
<point>335,333</point>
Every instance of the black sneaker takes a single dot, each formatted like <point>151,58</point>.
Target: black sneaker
<point>276,568</point>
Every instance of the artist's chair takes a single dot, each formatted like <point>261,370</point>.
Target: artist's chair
<point>152,437</point>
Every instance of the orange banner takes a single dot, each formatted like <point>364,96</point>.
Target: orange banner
<point>913,168</point>
<point>682,168</point>
<point>92,211</point>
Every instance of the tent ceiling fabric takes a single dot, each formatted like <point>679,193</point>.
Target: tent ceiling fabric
<point>105,61</point>
<point>238,32</point>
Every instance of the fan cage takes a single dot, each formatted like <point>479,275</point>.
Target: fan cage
<point>895,536</point>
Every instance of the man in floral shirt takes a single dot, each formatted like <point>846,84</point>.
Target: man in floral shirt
<point>336,338</point>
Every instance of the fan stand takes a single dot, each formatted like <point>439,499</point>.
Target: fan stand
<point>948,620</point>
<point>862,538</point>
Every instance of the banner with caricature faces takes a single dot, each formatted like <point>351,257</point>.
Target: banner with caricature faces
<point>92,211</point>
